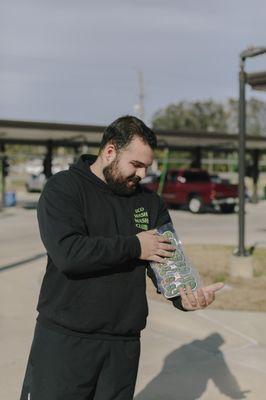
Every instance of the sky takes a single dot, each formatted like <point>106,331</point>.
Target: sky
<point>78,61</point>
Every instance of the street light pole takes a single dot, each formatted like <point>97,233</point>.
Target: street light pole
<point>241,160</point>
<point>250,52</point>
<point>241,261</point>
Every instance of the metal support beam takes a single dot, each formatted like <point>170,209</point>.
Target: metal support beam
<point>2,177</point>
<point>255,175</point>
<point>197,155</point>
<point>76,153</point>
<point>47,162</point>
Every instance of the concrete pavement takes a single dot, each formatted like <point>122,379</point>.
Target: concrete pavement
<point>204,355</point>
<point>210,354</point>
<point>207,355</point>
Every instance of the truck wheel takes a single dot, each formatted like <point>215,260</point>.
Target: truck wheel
<point>227,208</point>
<point>195,204</point>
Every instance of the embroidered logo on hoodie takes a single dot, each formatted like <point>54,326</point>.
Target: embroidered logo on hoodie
<point>141,218</point>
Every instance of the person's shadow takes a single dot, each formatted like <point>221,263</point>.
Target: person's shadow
<point>188,369</point>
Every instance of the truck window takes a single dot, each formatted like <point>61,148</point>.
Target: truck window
<point>196,176</point>
<point>172,176</point>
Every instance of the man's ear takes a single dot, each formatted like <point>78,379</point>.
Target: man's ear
<point>109,153</point>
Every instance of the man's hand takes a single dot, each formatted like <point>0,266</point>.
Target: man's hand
<point>155,247</point>
<point>200,298</point>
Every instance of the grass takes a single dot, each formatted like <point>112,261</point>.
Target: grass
<point>212,262</point>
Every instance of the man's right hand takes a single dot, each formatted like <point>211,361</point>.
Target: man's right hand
<point>155,247</point>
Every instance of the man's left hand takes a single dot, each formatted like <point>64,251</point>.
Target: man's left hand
<point>200,298</point>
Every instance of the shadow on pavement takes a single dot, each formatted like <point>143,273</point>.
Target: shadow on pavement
<point>22,262</point>
<point>188,369</point>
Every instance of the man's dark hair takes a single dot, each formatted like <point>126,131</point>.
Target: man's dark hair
<point>121,132</point>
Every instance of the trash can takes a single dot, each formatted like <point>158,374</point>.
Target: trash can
<point>10,199</point>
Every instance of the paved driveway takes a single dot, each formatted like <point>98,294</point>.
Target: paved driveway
<point>218,228</point>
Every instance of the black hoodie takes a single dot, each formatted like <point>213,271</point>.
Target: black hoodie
<point>94,282</point>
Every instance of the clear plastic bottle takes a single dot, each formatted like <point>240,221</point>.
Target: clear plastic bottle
<point>177,271</point>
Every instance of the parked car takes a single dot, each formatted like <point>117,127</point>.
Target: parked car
<point>35,182</point>
<point>36,179</point>
<point>195,189</point>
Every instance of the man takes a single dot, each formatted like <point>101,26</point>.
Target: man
<point>98,226</point>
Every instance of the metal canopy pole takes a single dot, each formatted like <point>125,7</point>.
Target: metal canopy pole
<point>47,162</point>
<point>2,177</point>
<point>255,175</point>
<point>197,155</point>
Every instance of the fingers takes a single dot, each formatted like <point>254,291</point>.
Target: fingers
<point>191,298</point>
<point>209,295</point>
<point>165,250</point>
<point>167,247</point>
<point>164,253</point>
<point>202,300</point>
<point>194,300</point>
<point>155,247</point>
<point>209,292</point>
<point>185,302</point>
<point>164,243</point>
<point>161,255</point>
<point>189,302</point>
<point>199,299</point>
<point>215,287</point>
<point>163,239</point>
<point>157,259</point>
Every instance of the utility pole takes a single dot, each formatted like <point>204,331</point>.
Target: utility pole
<point>141,96</point>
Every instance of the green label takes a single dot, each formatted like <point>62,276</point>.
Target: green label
<point>141,218</point>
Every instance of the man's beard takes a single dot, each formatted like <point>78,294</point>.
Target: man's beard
<point>117,182</point>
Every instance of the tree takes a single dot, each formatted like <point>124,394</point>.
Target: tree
<point>255,116</point>
<point>200,115</point>
<point>211,116</point>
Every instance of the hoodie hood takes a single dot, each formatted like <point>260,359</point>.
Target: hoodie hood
<point>82,167</point>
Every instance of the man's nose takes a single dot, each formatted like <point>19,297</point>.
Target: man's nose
<point>141,172</point>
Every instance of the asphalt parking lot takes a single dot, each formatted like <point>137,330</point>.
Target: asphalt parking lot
<point>19,235</point>
<point>217,228</point>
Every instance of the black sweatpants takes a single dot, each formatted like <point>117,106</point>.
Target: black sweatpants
<point>64,367</point>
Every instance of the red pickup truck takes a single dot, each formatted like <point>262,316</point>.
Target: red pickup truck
<point>196,189</point>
